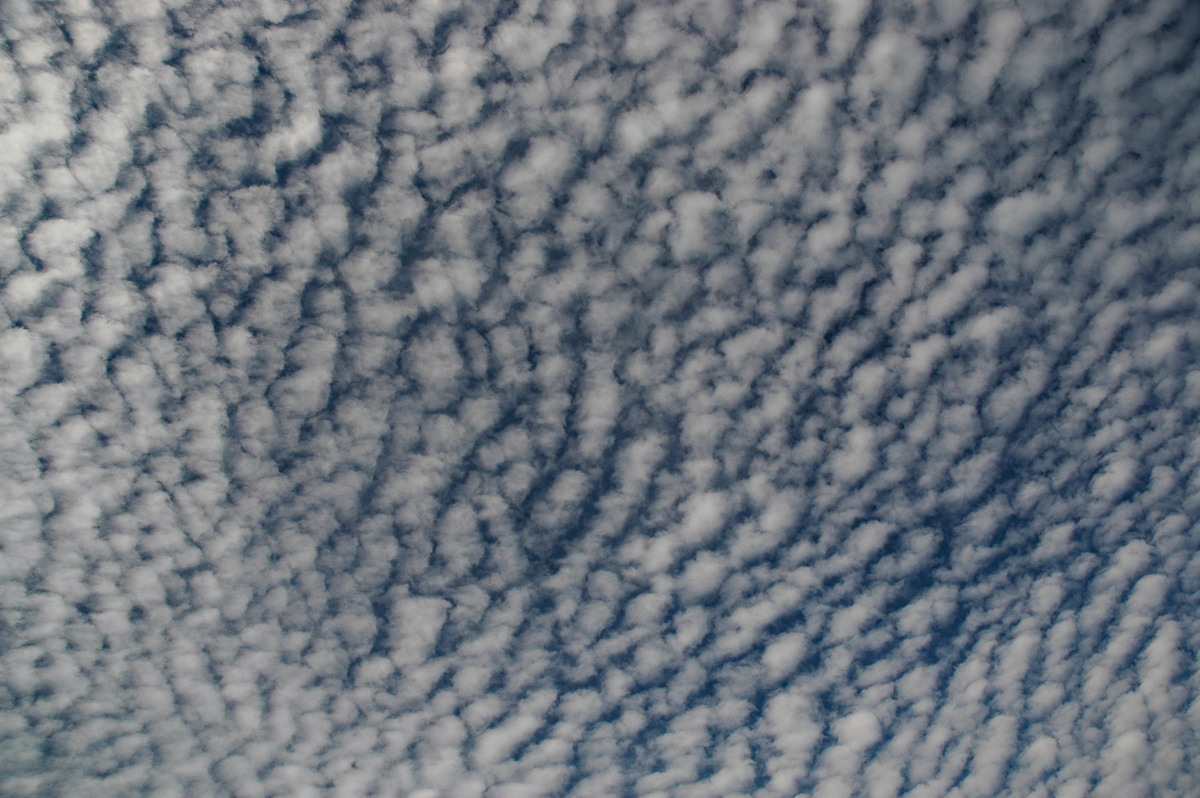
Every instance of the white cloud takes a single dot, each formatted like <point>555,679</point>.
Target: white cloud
<point>547,400</point>
<point>856,458</point>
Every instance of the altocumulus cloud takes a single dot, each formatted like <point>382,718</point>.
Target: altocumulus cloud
<point>587,399</point>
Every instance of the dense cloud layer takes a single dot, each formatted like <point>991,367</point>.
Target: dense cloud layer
<point>658,399</point>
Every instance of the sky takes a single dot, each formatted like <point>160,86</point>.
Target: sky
<point>501,398</point>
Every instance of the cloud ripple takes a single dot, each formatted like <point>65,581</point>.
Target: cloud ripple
<point>689,399</point>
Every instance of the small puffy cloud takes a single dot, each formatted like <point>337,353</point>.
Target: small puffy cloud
<point>858,730</point>
<point>856,457</point>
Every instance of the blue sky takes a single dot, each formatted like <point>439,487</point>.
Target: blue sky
<point>527,399</point>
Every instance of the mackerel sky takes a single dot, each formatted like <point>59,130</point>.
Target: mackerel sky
<point>502,399</point>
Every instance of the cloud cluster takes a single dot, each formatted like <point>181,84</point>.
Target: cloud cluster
<point>659,399</point>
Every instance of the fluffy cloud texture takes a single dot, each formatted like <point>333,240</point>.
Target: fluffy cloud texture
<point>590,399</point>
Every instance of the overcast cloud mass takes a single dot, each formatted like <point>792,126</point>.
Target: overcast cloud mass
<point>512,399</point>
